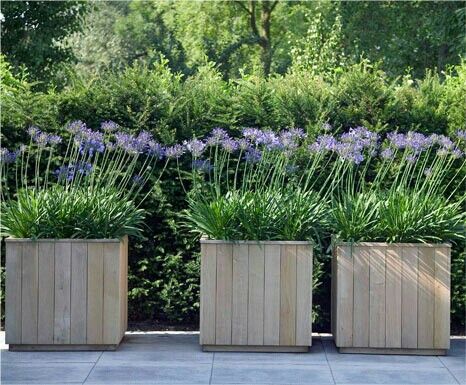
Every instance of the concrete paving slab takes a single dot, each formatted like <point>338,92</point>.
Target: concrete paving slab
<point>150,356</point>
<point>49,373</point>
<point>271,374</point>
<point>150,374</point>
<point>43,357</point>
<point>422,376</point>
<point>459,374</point>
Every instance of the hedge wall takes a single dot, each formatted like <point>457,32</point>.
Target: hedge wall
<point>164,268</point>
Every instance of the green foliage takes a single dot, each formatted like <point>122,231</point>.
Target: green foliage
<point>77,213</point>
<point>32,31</point>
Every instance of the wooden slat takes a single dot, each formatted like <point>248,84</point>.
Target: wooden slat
<point>377,297</point>
<point>95,293</point>
<point>288,295</point>
<point>46,292</point>
<point>409,298</point>
<point>393,297</point>
<point>272,295</point>
<point>239,324</point>
<point>303,295</point>
<point>78,333</point>
<point>426,288</point>
<point>111,324</point>
<point>62,318</point>
<point>333,293</point>
<point>442,299</point>
<point>361,296</point>
<point>13,293</point>
<point>29,293</point>
<point>208,293</point>
<point>224,293</point>
<point>344,297</point>
<point>256,295</point>
<point>123,285</point>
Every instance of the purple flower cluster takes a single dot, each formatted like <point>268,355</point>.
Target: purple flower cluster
<point>461,134</point>
<point>195,146</point>
<point>7,156</point>
<point>202,165</point>
<point>90,142</point>
<point>109,126</point>
<point>175,151</point>
<point>142,143</point>
<point>253,155</point>
<point>137,180</point>
<point>68,173</point>
<point>42,139</point>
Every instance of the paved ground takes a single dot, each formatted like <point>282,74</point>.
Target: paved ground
<point>171,358</point>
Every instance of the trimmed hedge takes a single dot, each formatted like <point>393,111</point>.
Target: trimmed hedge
<point>164,268</point>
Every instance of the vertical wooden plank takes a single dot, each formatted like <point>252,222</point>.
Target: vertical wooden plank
<point>425,303</point>
<point>208,293</point>
<point>111,324</point>
<point>239,322</point>
<point>393,297</point>
<point>303,295</point>
<point>288,295</point>
<point>78,332</point>
<point>224,293</point>
<point>361,291</point>
<point>409,274</point>
<point>95,292</point>
<point>344,297</point>
<point>377,297</point>
<point>46,292</point>
<point>272,295</point>
<point>62,318</point>
<point>333,294</point>
<point>442,299</point>
<point>29,293</point>
<point>123,285</point>
<point>256,295</point>
<point>13,295</point>
<point>126,281</point>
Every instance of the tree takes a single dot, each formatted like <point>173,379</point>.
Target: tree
<point>32,31</point>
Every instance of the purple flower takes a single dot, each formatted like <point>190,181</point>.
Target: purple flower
<point>350,152</point>
<point>202,165</point>
<point>360,136</point>
<point>7,157</point>
<point>55,139</point>
<point>216,136</point>
<point>387,153</point>
<point>397,140</point>
<point>109,126</point>
<point>33,131</point>
<point>445,142</point>
<point>442,152</point>
<point>134,144</point>
<point>411,158</point>
<point>195,146</point>
<point>457,153</point>
<point>414,141</point>
<point>252,155</point>
<point>137,180</point>
<point>243,144</point>
<point>155,149</point>
<point>76,126</point>
<point>174,152</point>
<point>327,127</point>
<point>289,139</point>
<point>90,141</point>
<point>251,133</point>
<point>229,145</point>
<point>461,134</point>
<point>323,143</point>
<point>65,173</point>
<point>269,139</point>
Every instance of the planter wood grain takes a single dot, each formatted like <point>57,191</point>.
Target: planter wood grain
<point>256,296</point>
<point>391,298</point>
<point>66,294</point>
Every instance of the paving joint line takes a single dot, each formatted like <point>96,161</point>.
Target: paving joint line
<point>212,368</point>
<point>449,371</point>
<point>326,359</point>
<point>93,366</point>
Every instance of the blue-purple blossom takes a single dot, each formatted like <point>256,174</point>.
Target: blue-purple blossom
<point>202,165</point>
<point>361,137</point>
<point>33,131</point>
<point>55,139</point>
<point>217,136</point>
<point>251,133</point>
<point>461,134</point>
<point>269,139</point>
<point>195,146</point>
<point>243,144</point>
<point>229,145</point>
<point>456,153</point>
<point>350,152</point>
<point>414,141</point>
<point>289,139</point>
<point>7,157</point>
<point>445,142</point>
<point>137,180</point>
<point>134,144</point>
<point>253,155</point>
<point>323,143</point>
<point>327,127</point>
<point>411,158</point>
<point>174,152</point>
<point>42,139</point>
<point>76,126</point>
<point>387,153</point>
<point>109,126</point>
<point>155,149</point>
<point>68,173</point>
<point>90,142</point>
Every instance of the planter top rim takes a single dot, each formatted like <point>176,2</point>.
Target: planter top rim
<point>257,242</point>
<point>70,240</point>
<point>386,244</point>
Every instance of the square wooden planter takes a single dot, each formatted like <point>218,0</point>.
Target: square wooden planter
<point>391,298</point>
<point>256,296</point>
<point>66,294</point>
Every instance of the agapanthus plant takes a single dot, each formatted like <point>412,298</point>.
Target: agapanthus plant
<point>108,163</point>
<point>414,194</point>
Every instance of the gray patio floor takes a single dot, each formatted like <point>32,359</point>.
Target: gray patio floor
<point>176,358</point>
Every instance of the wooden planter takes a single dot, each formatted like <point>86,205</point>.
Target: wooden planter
<point>66,294</point>
<point>256,296</point>
<point>391,298</point>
